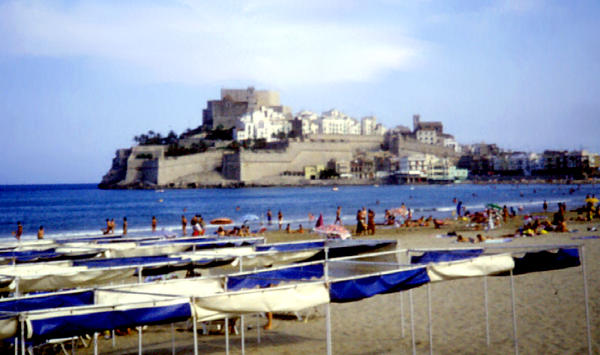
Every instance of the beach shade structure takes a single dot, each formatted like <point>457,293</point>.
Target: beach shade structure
<point>399,211</point>
<point>333,231</point>
<point>221,221</point>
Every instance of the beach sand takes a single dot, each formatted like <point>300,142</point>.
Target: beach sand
<point>549,306</point>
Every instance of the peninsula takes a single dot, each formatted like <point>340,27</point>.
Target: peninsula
<point>247,138</point>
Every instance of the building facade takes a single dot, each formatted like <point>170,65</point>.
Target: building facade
<point>262,123</point>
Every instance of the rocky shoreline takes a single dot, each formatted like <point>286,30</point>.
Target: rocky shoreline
<point>228,184</point>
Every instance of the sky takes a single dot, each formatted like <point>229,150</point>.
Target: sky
<point>79,79</point>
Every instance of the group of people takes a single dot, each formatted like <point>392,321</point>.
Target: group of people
<point>110,226</point>
<point>365,222</point>
<point>300,230</point>
<point>242,231</point>
<point>279,218</point>
<point>197,223</point>
<point>19,232</point>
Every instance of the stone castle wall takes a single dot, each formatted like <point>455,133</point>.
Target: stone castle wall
<point>176,169</point>
<point>316,150</point>
<point>261,167</point>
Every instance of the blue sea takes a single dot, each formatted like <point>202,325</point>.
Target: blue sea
<point>77,210</point>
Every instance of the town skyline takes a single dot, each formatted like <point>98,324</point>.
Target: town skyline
<point>82,79</point>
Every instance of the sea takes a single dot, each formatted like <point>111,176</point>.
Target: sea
<point>76,210</point>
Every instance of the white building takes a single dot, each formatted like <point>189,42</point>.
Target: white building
<point>368,125</point>
<point>448,141</point>
<point>414,165</point>
<point>336,122</point>
<point>310,122</point>
<point>263,123</point>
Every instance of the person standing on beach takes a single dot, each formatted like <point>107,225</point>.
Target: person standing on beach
<point>280,219</point>
<point>359,225</point>
<point>154,223</point>
<point>269,216</point>
<point>459,209</point>
<point>545,206</point>
<point>183,224</point>
<point>338,215</point>
<point>371,222</point>
<point>19,232</point>
<point>40,233</point>
<point>124,225</point>
<point>107,230</point>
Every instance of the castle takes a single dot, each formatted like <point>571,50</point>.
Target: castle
<point>273,147</point>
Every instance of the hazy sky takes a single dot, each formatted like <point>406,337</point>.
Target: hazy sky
<point>79,79</point>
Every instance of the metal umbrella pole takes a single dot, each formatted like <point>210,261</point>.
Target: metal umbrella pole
<point>429,318</point>
<point>173,338</point>
<point>412,321</point>
<point>194,329</point>
<point>585,294</point>
<point>140,339</point>
<point>514,311</point>
<point>327,306</point>
<point>22,336</point>
<point>402,313</point>
<point>487,313</point>
<point>226,326</point>
<point>243,342</point>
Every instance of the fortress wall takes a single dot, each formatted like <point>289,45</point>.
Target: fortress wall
<point>141,170</point>
<point>134,170</point>
<point>173,168</point>
<point>256,170</point>
<point>231,168</point>
<point>366,139</point>
<point>363,143</point>
<point>259,165</point>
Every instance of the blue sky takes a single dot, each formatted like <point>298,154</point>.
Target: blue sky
<point>79,79</point>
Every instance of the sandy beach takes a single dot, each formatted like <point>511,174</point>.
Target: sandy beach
<point>549,306</point>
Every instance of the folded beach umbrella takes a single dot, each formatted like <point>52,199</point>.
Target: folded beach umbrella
<point>319,221</point>
<point>333,231</point>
